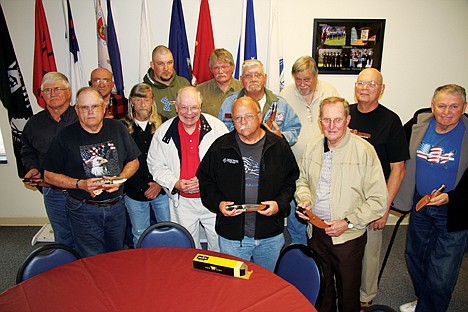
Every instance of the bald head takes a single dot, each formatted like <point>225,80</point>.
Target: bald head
<point>368,89</point>
<point>162,64</point>
<point>101,79</point>
<point>247,118</point>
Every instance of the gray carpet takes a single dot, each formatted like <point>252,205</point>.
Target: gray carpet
<point>395,286</point>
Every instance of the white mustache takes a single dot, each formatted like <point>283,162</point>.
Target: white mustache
<point>243,127</point>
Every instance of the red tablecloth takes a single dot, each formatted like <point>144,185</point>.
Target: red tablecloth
<point>151,279</point>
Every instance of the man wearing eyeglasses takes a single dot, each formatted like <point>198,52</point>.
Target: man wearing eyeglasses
<point>91,159</point>
<point>249,165</point>
<point>173,158</point>
<point>164,81</point>
<point>37,136</point>
<point>116,105</point>
<point>438,230</point>
<point>383,129</point>
<point>342,182</point>
<point>286,122</point>
<point>216,90</point>
<point>304,96</point>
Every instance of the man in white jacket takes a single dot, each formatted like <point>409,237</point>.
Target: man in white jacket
<point>175,152</point>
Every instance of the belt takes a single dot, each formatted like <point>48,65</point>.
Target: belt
<point>101,204</point>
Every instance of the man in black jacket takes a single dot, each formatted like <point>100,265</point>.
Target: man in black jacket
<point>250,165</point>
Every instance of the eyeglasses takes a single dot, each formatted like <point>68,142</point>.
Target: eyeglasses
<point>139,100</point>
<point>250,76</point>
<point>219,68</point>
<point>57,90</point>
<point>193,109</point>
<point>336,121</point>
<point>370,84</point>
<point>103,80</point>
<point>248,117</point>
<point>88,108</point>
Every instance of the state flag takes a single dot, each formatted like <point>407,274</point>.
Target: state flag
<point>204,45</point>
<point>247,48</point>
<point>44,60</point>
<point>178,42</point>
<point>114,51</point>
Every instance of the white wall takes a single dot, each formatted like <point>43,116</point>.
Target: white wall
<point>425,46</point>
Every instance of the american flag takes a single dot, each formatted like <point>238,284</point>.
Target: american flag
<point>434,154</point>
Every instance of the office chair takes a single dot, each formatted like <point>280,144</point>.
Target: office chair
<point>379,308</point>
<point>45,258</point>
<point>298,265</point>
<point>166,234</point>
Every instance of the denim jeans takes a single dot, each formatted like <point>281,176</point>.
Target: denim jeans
<point>297,228</point>
<point>139,212</point>
<point>97,229</point>
<point>55,204</point>
<point>264,252</point>
<point>434,256</point>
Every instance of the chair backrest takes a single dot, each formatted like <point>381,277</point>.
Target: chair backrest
<point>166,234</point>
<point>298,265</point>
<point>45,258</point>
<point>379,308</point>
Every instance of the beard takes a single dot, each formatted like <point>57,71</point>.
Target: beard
<point>143,113</point>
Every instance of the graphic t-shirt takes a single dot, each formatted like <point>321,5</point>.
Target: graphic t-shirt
<point>438,155</point>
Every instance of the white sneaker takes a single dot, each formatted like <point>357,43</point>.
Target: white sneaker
<point>409,307</point>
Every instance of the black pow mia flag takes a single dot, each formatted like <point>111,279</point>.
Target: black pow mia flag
<point>13,92</point>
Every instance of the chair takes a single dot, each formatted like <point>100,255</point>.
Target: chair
<point>392,239</point>
<point>298,265</point>
<point>45,258</point>
<point>379,308</point>
<point>166,234</point>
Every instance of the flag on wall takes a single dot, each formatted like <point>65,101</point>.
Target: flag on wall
<point>146,39</point>
<point>75,69</point>
<point>275,67</point>
<point>13,92</point>
<point>178,42</point>
<point>44,60</point>
<point>247,48</point>
<point>204,45</point>
<point>101,28</point>
<point>114,52</point>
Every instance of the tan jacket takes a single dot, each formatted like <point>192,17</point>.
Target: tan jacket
<point>358,191</point>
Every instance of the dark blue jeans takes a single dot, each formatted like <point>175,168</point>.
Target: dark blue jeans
<point>55,204</point>
<point>97,229</point>
<point>434,256</point>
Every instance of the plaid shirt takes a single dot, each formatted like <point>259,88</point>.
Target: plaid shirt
<point>118,106</point>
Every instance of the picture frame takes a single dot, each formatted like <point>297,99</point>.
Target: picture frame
<point>347,46</point>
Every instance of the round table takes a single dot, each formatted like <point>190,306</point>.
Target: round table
<point>151,279</point>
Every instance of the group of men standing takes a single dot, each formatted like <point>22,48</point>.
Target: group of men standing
<point>194,154</point>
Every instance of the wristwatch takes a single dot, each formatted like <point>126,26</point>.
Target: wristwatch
<point>350,225</point>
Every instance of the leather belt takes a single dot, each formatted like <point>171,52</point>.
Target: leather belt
<point>100,204</point>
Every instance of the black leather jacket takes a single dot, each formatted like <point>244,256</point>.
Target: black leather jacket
<point>221,178</point>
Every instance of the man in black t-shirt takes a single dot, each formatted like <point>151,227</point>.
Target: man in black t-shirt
<point>83,158</point>
<point>383,129</point>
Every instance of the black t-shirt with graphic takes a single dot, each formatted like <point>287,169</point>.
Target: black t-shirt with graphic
<point>79,154</point>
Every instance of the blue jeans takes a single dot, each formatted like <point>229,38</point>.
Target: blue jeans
<point>55,204</point>
<point>97,229</point>
<point>434,256</point>
<point>297,228</point>
<point>264,252</point>
<point>139,212</point>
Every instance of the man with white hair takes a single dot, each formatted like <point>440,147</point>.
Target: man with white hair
<point>175,152</point>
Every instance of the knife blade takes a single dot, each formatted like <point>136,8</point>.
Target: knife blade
<point>247,207</point>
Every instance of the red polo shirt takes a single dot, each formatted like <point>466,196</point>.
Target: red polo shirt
<point>190,157</point>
